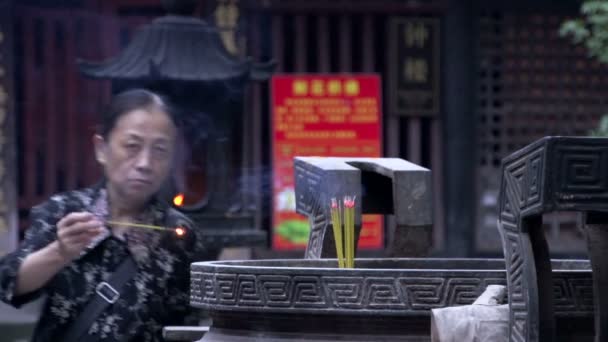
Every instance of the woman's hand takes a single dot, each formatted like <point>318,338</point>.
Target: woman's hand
<point>75,232</point>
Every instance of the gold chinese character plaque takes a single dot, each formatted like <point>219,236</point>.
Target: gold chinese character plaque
<point>414,70</point>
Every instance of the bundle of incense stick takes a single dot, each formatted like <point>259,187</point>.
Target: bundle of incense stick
<point>336,221</point>
<point>344,235</point>
<point>178,230</point>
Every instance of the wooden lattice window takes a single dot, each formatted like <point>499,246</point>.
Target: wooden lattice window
<point>530,83</point>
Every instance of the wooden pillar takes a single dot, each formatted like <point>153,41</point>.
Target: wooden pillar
<point>459,130</point>
<point>8,209</point>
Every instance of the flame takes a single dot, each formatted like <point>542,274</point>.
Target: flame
<point>180,231</point>
<point>178,200</point>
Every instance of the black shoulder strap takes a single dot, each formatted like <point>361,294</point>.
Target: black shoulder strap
<point>106,293</point>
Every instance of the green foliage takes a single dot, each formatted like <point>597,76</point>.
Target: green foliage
<point>602,129</point>
<point>591,30</point>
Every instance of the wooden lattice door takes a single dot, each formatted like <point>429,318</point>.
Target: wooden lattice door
<point>530,83</point>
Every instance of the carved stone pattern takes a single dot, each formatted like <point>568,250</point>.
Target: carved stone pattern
<point>196,282</point>
<point>520,192</point>
<point>523,179</point>
<point>308,186</point>
<point>248,291</point>
<point>226,288</point>
<point>582,172</point>
<point>344,292</point>
<point>202,288</point>
<point>308,182</point>
<point>276,290</point>
<point>313,293</point>
<point>573,295</point>
<point>308,292</point>
<point>516,282</point>
<point>318,224</point>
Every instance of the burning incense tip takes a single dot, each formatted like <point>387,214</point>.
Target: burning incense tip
<point>178,200</point>
<point>180,231</point>
<point>349,202</point>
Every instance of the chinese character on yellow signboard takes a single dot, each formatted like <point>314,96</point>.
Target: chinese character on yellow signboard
<point>416,35</point>
<point>317,87</point>
<point>351,87</point>
<point>334,87</point>
<point>281,110</point>
<point>300,87</point>
<point>416,70</point>
<point>287,150</point>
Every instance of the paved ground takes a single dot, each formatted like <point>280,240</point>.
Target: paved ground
<point>16,325</point>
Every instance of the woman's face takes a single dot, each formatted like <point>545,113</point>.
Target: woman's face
<point>137,153</point>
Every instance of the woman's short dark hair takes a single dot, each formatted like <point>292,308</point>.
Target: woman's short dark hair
<point>130,100</point>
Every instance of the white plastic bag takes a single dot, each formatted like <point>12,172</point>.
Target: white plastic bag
<point>486,320</point>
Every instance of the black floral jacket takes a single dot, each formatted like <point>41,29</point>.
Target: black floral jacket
<point>156,296</point>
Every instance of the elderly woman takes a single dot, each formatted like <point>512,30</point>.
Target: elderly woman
<point>109,282</point>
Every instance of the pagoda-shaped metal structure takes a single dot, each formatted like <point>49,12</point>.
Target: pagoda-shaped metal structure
<point>177,47</point>
<point>184,58</point>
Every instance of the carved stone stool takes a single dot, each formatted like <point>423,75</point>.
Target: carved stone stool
<point>552,174</point>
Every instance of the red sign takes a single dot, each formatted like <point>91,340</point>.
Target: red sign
<point>321,115</point>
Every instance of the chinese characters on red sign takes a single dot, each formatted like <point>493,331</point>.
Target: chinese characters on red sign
<point>321,115</point>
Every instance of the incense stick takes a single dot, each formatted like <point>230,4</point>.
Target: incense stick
<point>137,225</point>
<point>349,230</point>
<point>352,231</point>
<point>336,218</point>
